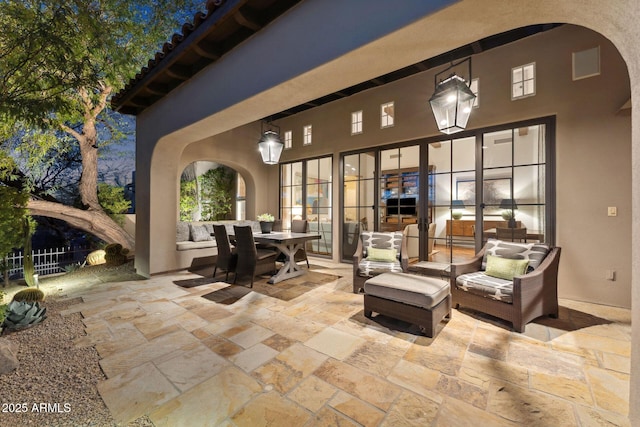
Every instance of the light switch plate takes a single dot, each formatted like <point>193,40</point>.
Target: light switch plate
<point>612,211</point>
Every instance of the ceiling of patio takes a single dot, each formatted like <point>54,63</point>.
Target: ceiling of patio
<point>229,23</point>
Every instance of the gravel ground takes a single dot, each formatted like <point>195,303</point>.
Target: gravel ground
<point>55,384</point>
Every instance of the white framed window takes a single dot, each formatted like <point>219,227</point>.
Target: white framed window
<point>475,88</point>
<point>386,115</point>
<point>356,122</point>
<point>288,139</point>
<point>523,81</point>
<point>306,135</point>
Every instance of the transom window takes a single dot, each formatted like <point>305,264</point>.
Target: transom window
<point>386,115</point>
<point>356,122</point>
<point>288,139</point>
<point>523,81</point>
<point>306,135</point>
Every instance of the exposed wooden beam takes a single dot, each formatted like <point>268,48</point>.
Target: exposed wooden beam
<point>157,89</point>
<point>179,72</point>
<point>139,101</point>
<point>247,19</point>
<point>421,66</point>
<point>206,51</point>
<point>476,47</point>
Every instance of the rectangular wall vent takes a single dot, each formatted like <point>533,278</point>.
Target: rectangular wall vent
<point>586,63</point>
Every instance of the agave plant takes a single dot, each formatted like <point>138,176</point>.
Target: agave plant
<point>22,314</point>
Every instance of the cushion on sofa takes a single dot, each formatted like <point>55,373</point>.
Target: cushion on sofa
<point>381,240</point>
<point>189,245</point>
<point>479,283</point>
<point>199,233</point>
<point>182,231</point>
<point>368,268</point>
<point>384,255</point>
<point>505,268</point>
<point>209,228</point>
<point>533,252</point>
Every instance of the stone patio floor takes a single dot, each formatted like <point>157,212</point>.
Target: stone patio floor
<point>315,360</point>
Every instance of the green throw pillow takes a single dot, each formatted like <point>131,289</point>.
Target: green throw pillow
<point>384,255</point>
<point>505,268</point>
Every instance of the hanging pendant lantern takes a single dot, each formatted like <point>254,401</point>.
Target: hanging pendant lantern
<point>452,102</point>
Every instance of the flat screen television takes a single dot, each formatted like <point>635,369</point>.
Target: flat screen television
<point>403,206</point>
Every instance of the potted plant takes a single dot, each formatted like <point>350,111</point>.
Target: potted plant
<point>266,222</point>
<point>509,215</point>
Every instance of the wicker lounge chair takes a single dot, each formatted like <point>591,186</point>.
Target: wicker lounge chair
<point>519,301</point>
<point>364,267</point>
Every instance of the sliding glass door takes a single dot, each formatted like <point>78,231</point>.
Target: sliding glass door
<point>452,164</point>
<point>451,195</point>
<point>514,172</point>
<point>306,193</point>
<point>359,180</point>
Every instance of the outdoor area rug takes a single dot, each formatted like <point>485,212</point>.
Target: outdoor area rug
<point>285,290</point>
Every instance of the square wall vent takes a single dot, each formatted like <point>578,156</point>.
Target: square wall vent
<point>586,63</point>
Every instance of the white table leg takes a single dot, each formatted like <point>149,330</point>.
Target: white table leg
<point>290,268</point>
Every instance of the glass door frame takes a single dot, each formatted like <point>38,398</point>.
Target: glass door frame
<point>549,123</point>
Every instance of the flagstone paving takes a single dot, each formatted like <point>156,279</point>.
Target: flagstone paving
<point>174,354</point>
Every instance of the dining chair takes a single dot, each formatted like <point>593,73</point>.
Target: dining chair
<point>251,261</point>
<point>226,258</point>
<point>300,226</point>
<point>511,234</point>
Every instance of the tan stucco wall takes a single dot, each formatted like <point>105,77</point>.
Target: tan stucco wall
<point>592,141</point>
<point>195,111</point>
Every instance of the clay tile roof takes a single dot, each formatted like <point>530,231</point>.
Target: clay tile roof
<point>201,42</point>
<point>227,23</point>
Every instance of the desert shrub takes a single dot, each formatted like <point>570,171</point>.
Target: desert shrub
<point>23,314</point>
<point>29,295</point>
<point>115,254</point>
<point>74,266</point>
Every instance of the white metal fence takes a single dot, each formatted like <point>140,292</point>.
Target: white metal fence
<point>47,261</point>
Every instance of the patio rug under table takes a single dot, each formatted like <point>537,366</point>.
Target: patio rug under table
<point>285,290</point>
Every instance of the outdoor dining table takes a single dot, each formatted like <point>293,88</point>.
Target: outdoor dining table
<point>288,243</point>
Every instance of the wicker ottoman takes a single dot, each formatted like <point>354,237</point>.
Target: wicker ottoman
<point>420,300</point>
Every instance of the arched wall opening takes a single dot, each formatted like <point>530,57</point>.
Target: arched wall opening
<point>411,43</point>
<point>211,191</point>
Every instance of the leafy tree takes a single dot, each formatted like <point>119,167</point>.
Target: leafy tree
<point>60,61</point>
<point>216,193</point>
<point>12,213</point>
<point>188,199</point>
<point>113,202</point>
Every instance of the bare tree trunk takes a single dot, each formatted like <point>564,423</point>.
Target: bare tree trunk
<point>95,222</point>
<point>88,141</point>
